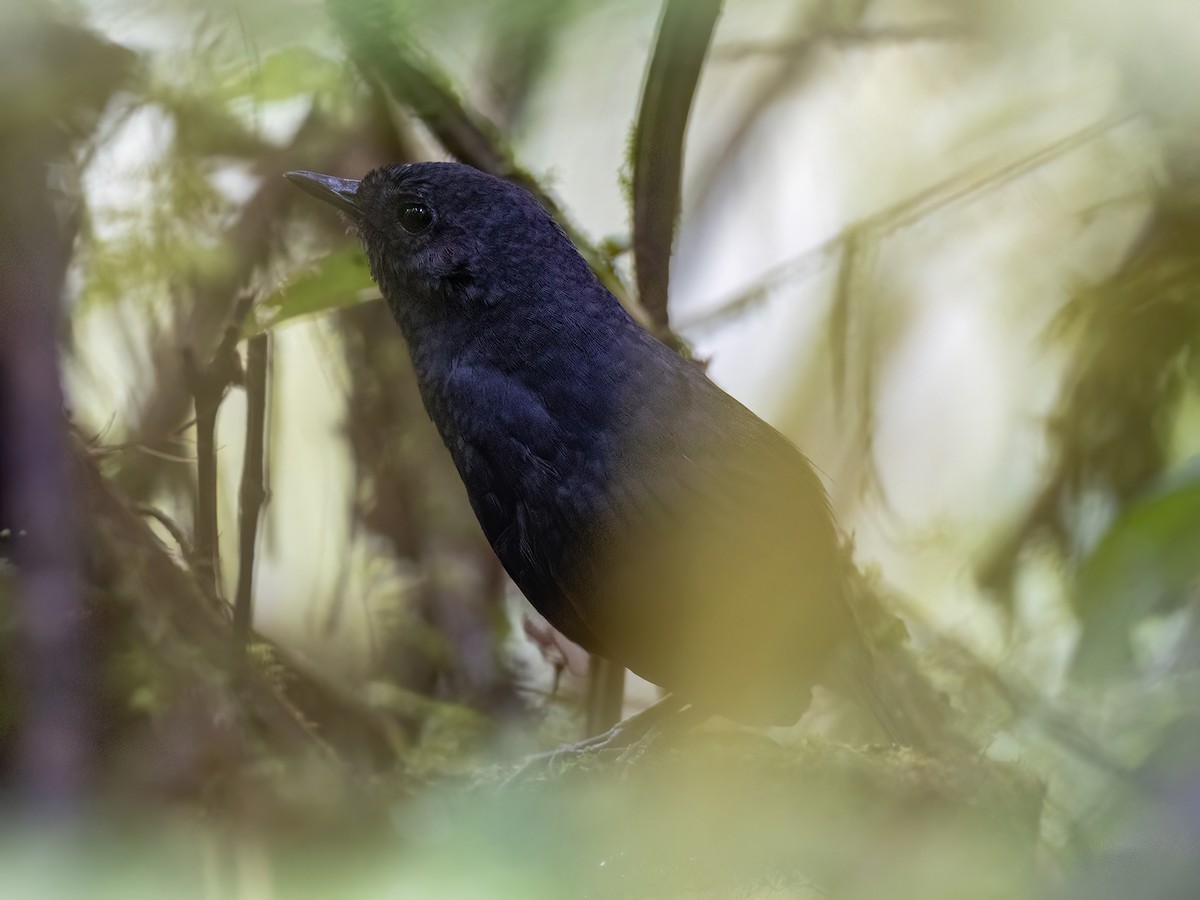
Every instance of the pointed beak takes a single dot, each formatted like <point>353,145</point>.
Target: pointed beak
<point>339,192</point>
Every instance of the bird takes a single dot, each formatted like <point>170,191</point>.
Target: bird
<point>648,515</point>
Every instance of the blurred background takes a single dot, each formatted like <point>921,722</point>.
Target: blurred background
<point>252,642</point>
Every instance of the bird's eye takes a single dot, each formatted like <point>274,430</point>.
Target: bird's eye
<point>415,217</point>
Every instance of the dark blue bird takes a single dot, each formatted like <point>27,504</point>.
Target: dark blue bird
<point>643,511</point>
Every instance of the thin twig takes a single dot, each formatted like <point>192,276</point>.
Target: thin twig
<point>171,527</point>
<point>953,190</point>
<point>208,383</point>
<point>841,37</point>
<point>124,544</point>
<point>807,264</point>
<point>684,33</point>
<point>204,301</point>
<point>157,454</point>
<point>253,493</point>
<point>899,215</point>
<point>106,450</point>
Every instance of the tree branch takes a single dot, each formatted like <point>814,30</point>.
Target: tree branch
<point>253,493</point>
<point>55,81</point>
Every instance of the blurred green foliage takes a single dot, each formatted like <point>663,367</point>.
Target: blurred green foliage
<point>1146,563</point>
<point>340,279</point>
<point>367,753</point>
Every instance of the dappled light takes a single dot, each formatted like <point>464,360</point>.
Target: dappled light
<point>641,449</point>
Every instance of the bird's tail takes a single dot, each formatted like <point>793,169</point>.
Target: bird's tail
<point>880,671</point>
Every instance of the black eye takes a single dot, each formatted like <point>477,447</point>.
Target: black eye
<point>415,217</point>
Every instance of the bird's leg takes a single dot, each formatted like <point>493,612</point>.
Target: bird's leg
<point>633,736</point>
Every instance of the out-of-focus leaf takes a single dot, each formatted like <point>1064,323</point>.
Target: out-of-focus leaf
<point>1147,562</point>
<point>204,127</point>
<point>340,279</point>
<point>283,75</point>
<point>145,252</point>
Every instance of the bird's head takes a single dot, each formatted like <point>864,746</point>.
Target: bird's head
<point>446,241</point>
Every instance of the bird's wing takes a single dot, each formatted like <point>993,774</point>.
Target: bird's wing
<point>712,566</point>
<point>511,469</point>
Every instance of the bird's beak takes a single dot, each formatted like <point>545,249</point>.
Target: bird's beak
<point>339,192</point>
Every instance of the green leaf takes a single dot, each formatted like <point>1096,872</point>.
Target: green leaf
<point>1147,563</point>
<point>340,279</point>
<point>283,75</point>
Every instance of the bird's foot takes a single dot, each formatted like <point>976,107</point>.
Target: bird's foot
<point>624,743</point>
